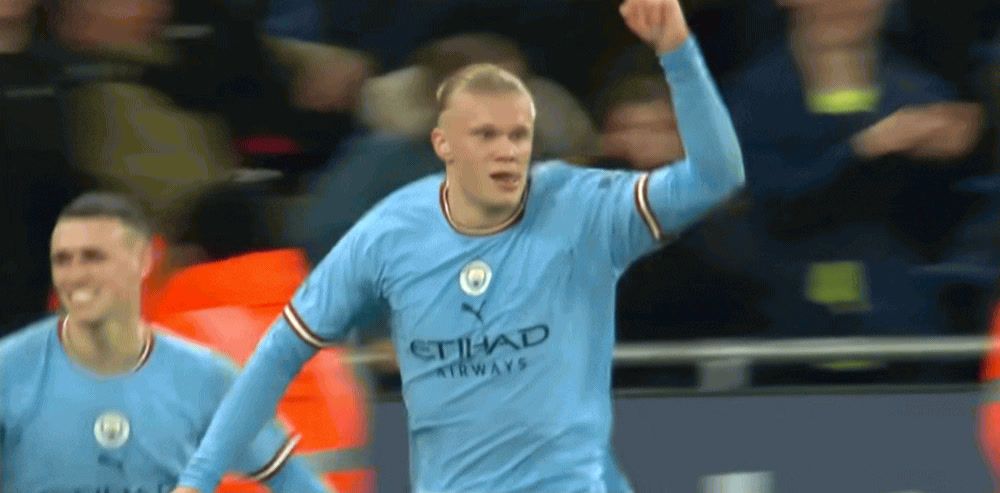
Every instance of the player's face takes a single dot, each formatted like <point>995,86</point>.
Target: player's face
<point>485,142</point>
<point>97,268</point>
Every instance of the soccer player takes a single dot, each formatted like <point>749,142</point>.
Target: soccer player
<point>96,400</point>
<point>500,281</point>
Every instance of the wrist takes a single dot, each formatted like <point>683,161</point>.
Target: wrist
<point>673,41</point>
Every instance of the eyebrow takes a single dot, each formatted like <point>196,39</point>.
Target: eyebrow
<point>489,126</point>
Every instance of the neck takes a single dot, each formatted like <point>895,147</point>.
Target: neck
<point>109,347</point>
<point>840,69</point>
<point>472,217</point>
<point>15,35</point>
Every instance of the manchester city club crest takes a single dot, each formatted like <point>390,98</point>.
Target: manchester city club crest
<point>111,429</point>
<point>475,278</point>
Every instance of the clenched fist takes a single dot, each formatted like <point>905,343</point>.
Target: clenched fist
<point>659,23</point>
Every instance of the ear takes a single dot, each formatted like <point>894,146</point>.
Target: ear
<point>146,259</point>
<point>441,146</point>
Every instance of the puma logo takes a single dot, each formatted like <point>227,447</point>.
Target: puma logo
<point>108,461</point>
<point>477,313</point>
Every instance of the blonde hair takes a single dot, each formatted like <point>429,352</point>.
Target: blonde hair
<point>481,78</point>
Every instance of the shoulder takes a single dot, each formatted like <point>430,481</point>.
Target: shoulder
<point>27,343</point>
<point>408,209</point>
<point>422,193</point>
<point>192,360</point>
<point>553,177</point>
<point>196,376</point>
<point>23,359</point>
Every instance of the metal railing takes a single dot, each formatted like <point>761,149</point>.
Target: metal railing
<point>724,365</point>
<point>801,350</point>
<point>780,350</point>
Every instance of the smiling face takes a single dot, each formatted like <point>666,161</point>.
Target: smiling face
<point>98,264</point>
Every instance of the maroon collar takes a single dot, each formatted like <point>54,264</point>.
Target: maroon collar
<point>147,346</point>
<point>492,230</point>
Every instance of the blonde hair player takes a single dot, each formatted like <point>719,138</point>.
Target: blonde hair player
<point>500,279</point>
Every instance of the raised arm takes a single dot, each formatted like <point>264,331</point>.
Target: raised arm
<point>673,197</point>
<point>713,167</point>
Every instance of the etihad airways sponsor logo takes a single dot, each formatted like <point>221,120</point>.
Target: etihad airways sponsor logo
<point>482,356</point>
<point>465,348</point>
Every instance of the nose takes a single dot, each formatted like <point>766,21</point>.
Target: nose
<point>507,149</point>
<point>69,273</point>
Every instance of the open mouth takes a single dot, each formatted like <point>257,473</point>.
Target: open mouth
<point>506,179</point>
<point>81,296</point>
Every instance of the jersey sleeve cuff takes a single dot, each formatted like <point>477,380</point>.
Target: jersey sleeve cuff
<point>301,329</point>
<point>685,57</point>
<point>273,466</point>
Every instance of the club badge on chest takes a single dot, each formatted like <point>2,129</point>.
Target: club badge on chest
<point>475,278</point>
<point>111,429</point>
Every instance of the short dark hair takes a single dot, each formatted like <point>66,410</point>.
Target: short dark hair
<point>112,205</point>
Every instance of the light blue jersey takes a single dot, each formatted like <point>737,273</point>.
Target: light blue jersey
<point>504,339</point>
<point>67,430</point>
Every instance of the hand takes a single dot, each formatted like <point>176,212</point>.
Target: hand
<point>658,23</point>
<point>935,131</point>
<point>185,489</point>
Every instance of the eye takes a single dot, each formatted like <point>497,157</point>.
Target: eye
<point>485,133</point>
<point>93,256</point>
<point>520,135</point>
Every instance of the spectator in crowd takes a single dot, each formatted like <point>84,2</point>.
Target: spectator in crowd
<point>180,80</point>
<point>846,203</point>
<point>639,129</point>
<point>835,198</point>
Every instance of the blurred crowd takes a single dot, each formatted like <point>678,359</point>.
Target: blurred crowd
<point>247,127</point>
